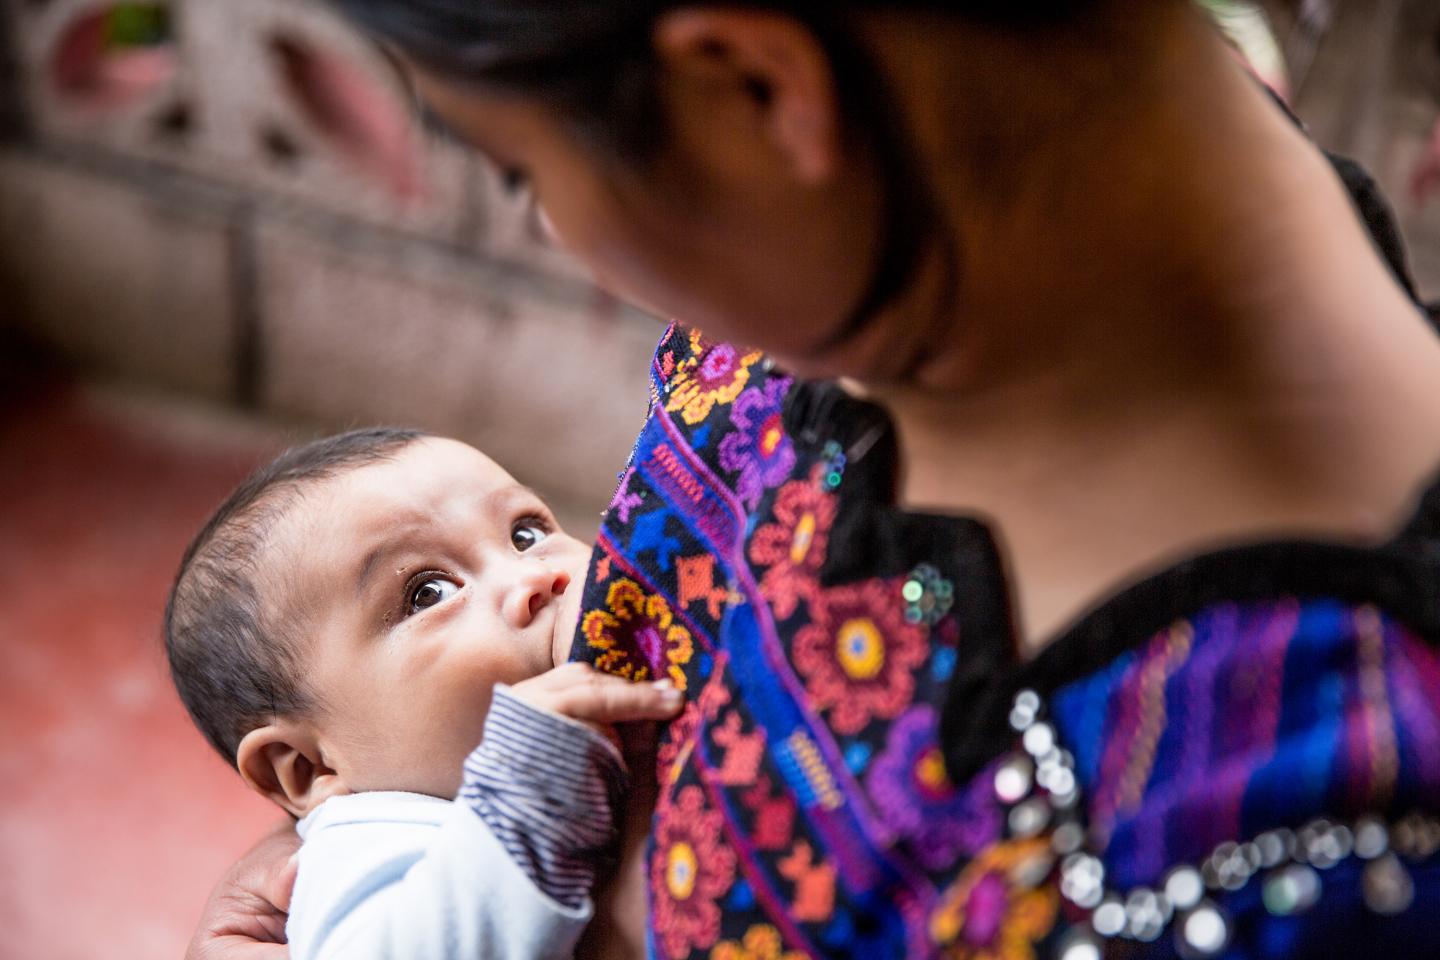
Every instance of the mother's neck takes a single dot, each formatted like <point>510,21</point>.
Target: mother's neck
<point>1178,269</point>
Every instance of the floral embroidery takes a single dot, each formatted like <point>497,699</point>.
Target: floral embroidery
<point>851,656</point>
<point>690,869</point>
<point>759,450</point>
<point>994,910</point>
<point>714,374</point>
<point>857,655</point>
<point>638,625</point>
<point>676,746</point>
<point>762,942</point>
<point>914,797</point>
<point>794,546</point>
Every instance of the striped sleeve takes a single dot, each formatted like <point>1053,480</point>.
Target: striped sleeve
<point>549,788</point>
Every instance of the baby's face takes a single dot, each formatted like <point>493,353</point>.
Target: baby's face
<point>416,584</point>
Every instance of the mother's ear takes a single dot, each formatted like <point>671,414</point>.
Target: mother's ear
<point>283,761</point>
<point>773,61</point>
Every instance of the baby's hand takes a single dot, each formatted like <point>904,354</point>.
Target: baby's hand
<point>580,692</point>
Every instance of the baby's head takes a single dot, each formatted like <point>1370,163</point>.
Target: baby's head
<point>339,623</point>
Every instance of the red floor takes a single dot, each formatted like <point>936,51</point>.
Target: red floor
<point>115,817</point>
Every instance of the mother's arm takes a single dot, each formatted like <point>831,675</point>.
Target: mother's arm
<point>618,930</point>
<point>244,919</point>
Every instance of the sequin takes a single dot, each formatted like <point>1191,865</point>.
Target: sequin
<point>1416,837</point>
<point>834,471</point>
<point>1025,711</point>
<point>1079,947</point>
<point>1387,886</point>
<point>1146,913</point>
<point>1204,932</point>
<point>1371,838</point>
<point>1082,882</point>
<point>1323,844</point>
<point>928,596</point>
<point>1029,818</point>
<point>1275,846</point>
<point>1109,918</point>
<point>1183,887</point>
<point>1290,890</point>
<point>1067,838</point>
<point>1014,779</point>
<point>1039,740</point>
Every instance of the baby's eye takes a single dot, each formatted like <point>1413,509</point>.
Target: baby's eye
<point>431,592</point>
<point>527,533</point>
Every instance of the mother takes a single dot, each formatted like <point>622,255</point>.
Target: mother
<point>1081,278</point>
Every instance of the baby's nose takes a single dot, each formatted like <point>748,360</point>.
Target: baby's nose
<point>535,588</point>
<point>546,589</point>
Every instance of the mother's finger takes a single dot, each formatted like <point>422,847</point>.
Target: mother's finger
<point>602,698</point>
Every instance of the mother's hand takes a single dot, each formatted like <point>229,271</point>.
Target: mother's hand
<point>244,919</point>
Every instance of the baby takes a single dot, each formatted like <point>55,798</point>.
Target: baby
<point>343,631</point>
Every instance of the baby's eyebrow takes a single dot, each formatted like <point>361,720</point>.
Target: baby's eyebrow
<point>516,491</point>
<point>371,563</point>
<point>394,544</point>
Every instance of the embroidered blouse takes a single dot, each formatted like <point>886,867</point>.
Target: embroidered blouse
<point>1239,757</point>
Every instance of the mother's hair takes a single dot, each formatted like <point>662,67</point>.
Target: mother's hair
<point>593,62</point>
<point>594,59</point>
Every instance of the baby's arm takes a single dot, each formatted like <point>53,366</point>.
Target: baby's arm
<point>503,872</point>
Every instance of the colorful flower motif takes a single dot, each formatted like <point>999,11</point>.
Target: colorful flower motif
<point>793,547</point>
<point>637,635</point>
<point>998,909</point>
<point>761,942</point>
<point>858,653</point>
<point>715,373</point>
<point>913,795</point>
<point>759,450</point>
<point>690,870</point>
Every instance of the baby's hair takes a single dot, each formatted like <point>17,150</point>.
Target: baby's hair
<point>234,668</point>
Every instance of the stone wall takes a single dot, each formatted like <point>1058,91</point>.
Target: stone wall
<point>175,211</point>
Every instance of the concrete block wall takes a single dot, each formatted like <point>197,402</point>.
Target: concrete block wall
<point>1369,88</point>
<point>134,282</point>
<point>174,212</point>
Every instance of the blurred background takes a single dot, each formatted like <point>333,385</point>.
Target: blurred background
<point>198,267</point>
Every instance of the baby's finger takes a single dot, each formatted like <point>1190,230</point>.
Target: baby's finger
<point>602,698</point>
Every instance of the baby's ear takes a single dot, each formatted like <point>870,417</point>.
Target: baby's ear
<point>283,761</point>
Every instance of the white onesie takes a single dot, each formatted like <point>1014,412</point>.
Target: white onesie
<point>502,872</point>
